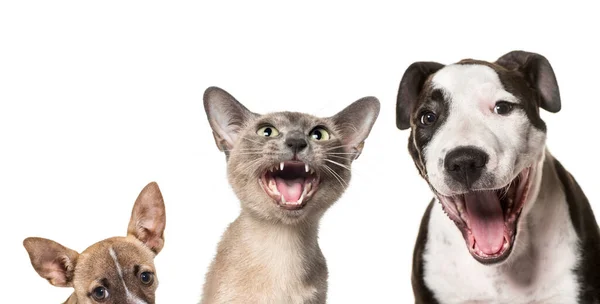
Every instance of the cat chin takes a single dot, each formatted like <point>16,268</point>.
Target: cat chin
<point>291,184</point>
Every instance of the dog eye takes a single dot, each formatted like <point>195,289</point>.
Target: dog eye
<point>147,277</point>
<point>100,294</point>
<point>428,118</point>
<point>267,131</point>
<point>503,108</point>
<point>319,133</point>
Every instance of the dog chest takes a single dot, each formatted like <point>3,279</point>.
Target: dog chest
<point>542,274</point>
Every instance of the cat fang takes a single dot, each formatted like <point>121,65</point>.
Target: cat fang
<point>291,184</point>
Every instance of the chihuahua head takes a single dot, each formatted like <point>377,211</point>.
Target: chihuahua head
<point>115,270</point>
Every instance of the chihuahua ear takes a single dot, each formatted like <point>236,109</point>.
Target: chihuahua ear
<point>52,261</point>
<point>539,73</point>
<point>355,123</point>
<point>410,87</point>
<point>226,116</point>
<point>148,218</point>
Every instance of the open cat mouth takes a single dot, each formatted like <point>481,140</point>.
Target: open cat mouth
<point>291,184</point>
<point>488,218</point>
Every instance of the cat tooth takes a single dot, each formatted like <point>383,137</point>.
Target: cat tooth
<point>281,166</point>
<point>283,200</point>
<point>306,168</point>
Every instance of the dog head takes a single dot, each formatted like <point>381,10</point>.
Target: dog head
<point>115,270</point>
<point>477,138</point>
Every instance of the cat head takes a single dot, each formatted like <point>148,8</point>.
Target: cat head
<point>287,166</point>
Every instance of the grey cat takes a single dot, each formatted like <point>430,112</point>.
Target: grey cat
<point>287,169</point>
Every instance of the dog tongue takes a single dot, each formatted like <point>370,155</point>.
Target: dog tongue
<point>290,189</point>
<point>486,220</point>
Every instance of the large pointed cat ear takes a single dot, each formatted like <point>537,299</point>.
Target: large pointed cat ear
<point>539,73</point>
<point>148,218</point>
<point>226,116</point>
<point>355,123</point>
<point>410,87</point>
<point>52,261</point>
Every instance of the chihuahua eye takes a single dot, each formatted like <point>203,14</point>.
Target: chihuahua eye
<point>147,277</point>
<point>100,294</point>
<point>319,133</point>
<point>267,131</point>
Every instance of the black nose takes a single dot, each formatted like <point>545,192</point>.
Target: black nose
<point>465,164</point>
<point>296,141</point>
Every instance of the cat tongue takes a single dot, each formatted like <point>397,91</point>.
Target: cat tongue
<point>291,189</point>
<point>486,220</point>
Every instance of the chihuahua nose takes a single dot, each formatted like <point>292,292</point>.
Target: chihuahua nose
<point>296,141</point>
<point>465,164</point>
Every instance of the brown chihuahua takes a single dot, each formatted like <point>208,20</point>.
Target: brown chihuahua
<point>115,270</point>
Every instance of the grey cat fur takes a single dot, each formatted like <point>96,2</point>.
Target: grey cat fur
<point>270,254</point>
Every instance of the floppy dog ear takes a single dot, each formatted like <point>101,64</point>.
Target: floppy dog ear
<point>52,261</point>
<point>226,116</point>
<point>539,73</point>
<point>410,86</point>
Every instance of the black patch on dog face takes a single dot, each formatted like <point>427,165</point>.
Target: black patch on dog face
<point>515,83</point>
<point>431,100</point>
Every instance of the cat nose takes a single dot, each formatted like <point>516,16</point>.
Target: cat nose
<point>296,141</point>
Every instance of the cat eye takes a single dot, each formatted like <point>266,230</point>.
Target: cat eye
<point>503,107</point>
<point>319,133</point>
<point>147,277</point>
<point>267,131</point>
<point>100,294</point>
<point>428,118</point>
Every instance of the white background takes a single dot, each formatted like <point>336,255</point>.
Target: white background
<point>99,98</point>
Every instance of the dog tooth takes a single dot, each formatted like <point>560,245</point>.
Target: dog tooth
<point>306,167</point>
<point>281,166</point>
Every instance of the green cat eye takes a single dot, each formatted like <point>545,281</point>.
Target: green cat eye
<point>267,131</point>
<point>319,133</point>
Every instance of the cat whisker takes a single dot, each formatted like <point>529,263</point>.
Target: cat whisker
<point>252,140</point>
<point>247,165</point>
<point>250,153</point>
<point>336,163</point>
<point>340,157</point>
<point>336,147</point>
<point>342,182</point>
<point>244,150</point>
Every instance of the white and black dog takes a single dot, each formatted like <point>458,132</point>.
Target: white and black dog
<point>526,232</point>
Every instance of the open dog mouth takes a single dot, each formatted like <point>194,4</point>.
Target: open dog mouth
<point>488,218</point>
<point>291,184</point>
